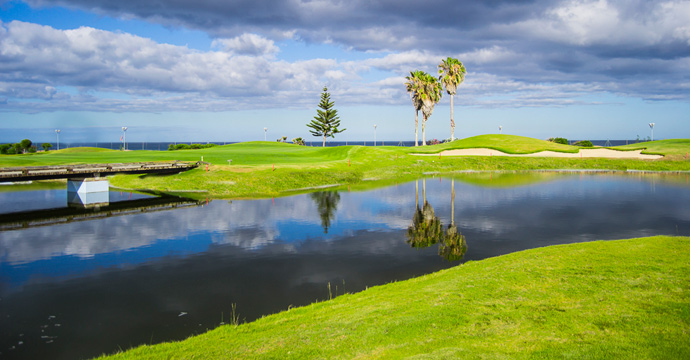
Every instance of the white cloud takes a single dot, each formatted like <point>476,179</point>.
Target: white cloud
<point>247,44</point>
<point>603,22</point>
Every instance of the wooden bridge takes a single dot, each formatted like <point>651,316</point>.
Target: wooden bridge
<point>28,173</point>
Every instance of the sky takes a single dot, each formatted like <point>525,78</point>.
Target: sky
<point>218,70</point>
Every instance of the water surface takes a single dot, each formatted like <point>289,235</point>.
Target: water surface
<point>79,288</point>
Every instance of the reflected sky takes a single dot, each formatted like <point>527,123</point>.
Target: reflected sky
<point>121,281</point>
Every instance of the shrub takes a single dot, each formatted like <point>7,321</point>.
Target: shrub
<point>584,143</point>
<point>434,142</point>
<point>298,141</point>
<point>172,147</point>
<point>46,146</point>
<point>4,148</point>
<point>558,140</point>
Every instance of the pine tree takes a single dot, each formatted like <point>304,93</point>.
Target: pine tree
<point>326,121</point>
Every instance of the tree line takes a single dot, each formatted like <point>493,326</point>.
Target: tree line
<point>22,147</point>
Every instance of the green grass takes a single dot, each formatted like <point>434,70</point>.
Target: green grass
<point>625,299</point>
<point>679,147</point>
<point>265,169</point>
<point>510,144</point>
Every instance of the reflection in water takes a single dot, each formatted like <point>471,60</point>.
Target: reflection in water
<point>327,203</point>
<point>119,281</point>
<point>427,229</point>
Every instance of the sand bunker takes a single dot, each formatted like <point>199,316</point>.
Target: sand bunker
<point>584,153</point>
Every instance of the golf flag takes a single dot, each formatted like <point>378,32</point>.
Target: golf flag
<point>121,138</point>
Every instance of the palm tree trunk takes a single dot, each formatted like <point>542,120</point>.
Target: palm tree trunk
<point>452,202</point>
<point>416,194</point>
<point>424,130</point>
<point>416,121</point>
<point>324,141</point>
<point>452,123</point>
<point>424,190</point>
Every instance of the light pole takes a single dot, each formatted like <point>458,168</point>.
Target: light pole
<point>651,126</point>
<point>374,134</point>
<point>124,138</point>
<point>500,129</point>
<point>265,129</point>
<point>57,132</point>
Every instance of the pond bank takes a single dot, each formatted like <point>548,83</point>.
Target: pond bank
<point>612,299</point>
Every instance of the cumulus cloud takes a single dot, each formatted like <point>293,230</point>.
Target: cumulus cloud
<point>631,48</point>
<point>247,44</point>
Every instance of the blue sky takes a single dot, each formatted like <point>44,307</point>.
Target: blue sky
<point>212,70</point>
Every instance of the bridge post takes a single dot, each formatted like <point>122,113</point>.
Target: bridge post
<point>88,191</point>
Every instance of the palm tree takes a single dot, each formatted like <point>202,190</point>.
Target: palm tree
<point>413,84</point>
<point>430,92</point>
<point>451,74</point>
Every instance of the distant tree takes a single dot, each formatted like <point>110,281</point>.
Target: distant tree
<point>451,74</point>
<point>25,145</point>
<point>430,92</point>
<point>16,149</point>
<point>46,146</point>
<point>413,84</point>
<point>326,121</point>
<point>4,148</point>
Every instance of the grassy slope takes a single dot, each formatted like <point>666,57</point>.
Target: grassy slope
<point>299,167</point>
<point>612,299</point>
<point>510,144</point>
<point>677,148</point>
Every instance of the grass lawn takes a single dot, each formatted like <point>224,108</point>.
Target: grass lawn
<point>626,299</point>
<point>265,169</point>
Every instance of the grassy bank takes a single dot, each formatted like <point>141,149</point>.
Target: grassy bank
<point>606,299</point>
<point>264,169</point>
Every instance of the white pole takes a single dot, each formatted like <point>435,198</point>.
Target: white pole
<point>651,126</point>
<point>57,132</point>
<point>124,138</point>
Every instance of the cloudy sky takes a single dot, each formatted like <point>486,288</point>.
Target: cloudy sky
<point>217,70</point>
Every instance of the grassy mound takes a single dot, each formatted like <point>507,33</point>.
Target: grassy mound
<point>605,299</point>
<point>81,150</point>
<point>510,144</point>
<point>662,147</point>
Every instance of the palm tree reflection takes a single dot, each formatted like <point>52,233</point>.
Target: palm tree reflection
<point>426,229</point>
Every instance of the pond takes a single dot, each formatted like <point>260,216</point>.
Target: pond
<point>78,282</point>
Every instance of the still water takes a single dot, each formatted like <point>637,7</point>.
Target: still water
<point>76,283</point>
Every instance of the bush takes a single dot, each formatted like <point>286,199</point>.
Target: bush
<point>584,143</point>
<point>558,140</point>
<point>172,147</point>
<point>298,141</point>
<point>4,148</point>
<point>46,146</point>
